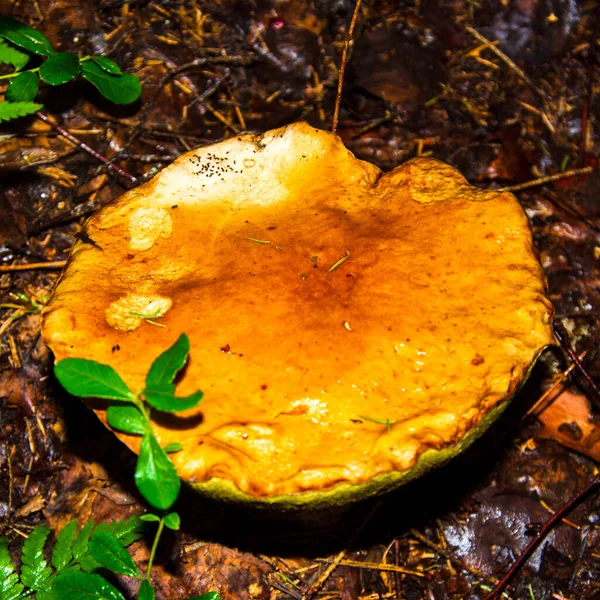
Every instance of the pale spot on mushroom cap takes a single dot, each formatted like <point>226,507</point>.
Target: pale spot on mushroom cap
<point>128,312</point>
<point>146,225</point>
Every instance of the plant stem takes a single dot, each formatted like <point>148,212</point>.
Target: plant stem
<point>11,75</point>
<point>161,525</point>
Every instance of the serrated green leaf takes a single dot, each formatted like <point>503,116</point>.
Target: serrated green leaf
<point>89,564</point>
<point>84,586</point>
<point>173,447</point>
<point>34,569</point>
<point>150,518</point>
<point>10,586</point>
<point>6,565</point>
<point>169,363</point>
<point>127,418</point>
<point>60,68</point>
<point>12,56</point>
<point>14,110</point>
<point>107,65</point>
<point>172,521</point>
<point>23,88</point>
<point>146,591</point>
<point>120,89</point>
<point>155,475</point>
<point>109,552</point>
<point>23,36</point>
<point>90,379</point>
<point>163,399</point>
<point>80,545</point>
<point>63,548</point>
<point>126,531</point>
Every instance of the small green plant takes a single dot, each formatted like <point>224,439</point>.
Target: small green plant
<point>20,44</point>
<point>77,560</point>
<point>80,555</point>
<point>155,475</point>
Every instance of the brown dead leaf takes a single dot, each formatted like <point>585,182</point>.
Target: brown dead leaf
<point>568,421</point>
<point>33,505</point>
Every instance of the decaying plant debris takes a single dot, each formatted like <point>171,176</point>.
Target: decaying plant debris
<point>505,93</point>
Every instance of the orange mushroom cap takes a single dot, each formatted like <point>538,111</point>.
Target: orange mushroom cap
<point>349,328</point>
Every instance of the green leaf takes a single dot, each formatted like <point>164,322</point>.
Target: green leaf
<point>169,363</point>
<point>80,545</point>
<point>90,379</point>
<point>120,89</point>
<point>109,552</point>
<point>89,564</point>
<point>173,521</point>
<point>60,68</point>
<point>14,110</point>
<point>146,591</point>
<point>150,518</point>
<point>23,88</point>
<point>207,596</point>
<point>126,531</point>
<point>127,418</point>
<point>12,56</point>
<point>25,37</point>
<point>84,586</point>
<point>107,65</point>
<point>155,475</point>
<point>34,569</point>
<point>173,447</point>
<point>63,548</point>
<point>164,399</point>
<point>10,587</point>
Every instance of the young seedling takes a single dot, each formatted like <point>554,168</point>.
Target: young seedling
<point>78,557</point>
<point>155,475</point>
<point>20,45</point>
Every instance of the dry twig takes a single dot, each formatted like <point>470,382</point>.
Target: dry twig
<point>347,41</point>
<point>85,147</point>
<point>548,179</point>
<point>52,264</point>
<point>546,527</point>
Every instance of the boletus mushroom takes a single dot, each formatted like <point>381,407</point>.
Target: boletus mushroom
<point>350,329</point>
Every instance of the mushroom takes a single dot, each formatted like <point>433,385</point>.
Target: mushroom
<point>349,328</point>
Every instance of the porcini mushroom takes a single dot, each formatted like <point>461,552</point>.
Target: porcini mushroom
<point>350,329</point>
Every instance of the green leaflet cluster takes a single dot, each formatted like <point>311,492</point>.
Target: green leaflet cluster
<point>20,44</point>
<point>155,475</point>
<point>78,558</point>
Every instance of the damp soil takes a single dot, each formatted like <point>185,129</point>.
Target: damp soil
<point>507,92</point>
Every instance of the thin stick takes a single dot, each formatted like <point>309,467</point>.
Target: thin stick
<point>534,409</point>
<point>338,97</point>
<point>589,96</point>
<point>503,57</point>
<point>55,264</point>
<point>548,179</point>
<point>85,147</point>
<point>563,337</point>
<point>524,556</point>
<point>359,564</point>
